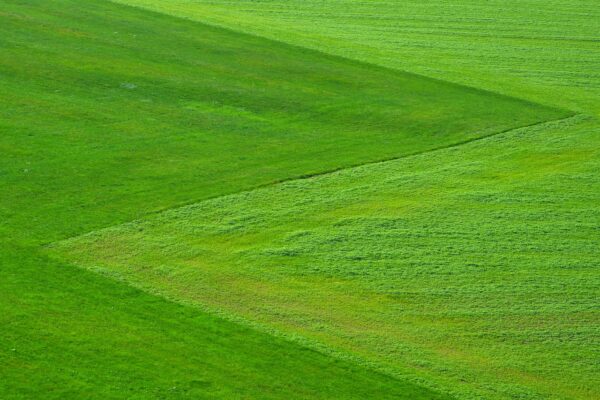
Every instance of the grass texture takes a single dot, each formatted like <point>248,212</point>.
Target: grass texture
<point>468,270</point>
<point>71,334</point>
<point>473,268</point>
<point>113,112</point>
<point>546,51</point>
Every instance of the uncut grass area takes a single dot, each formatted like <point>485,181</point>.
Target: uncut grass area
<point>473,269</point>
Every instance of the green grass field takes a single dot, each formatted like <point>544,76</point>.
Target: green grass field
<point>543,50</point>
<point>477,275</point>
<point>299,199</point>
<point>116,116</point>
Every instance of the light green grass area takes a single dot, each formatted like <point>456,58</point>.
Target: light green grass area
<point>544,50</point>
<point>472,268</point>
<point>71,334</point>
<point>110,112</point>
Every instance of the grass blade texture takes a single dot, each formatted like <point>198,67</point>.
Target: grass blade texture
<point>336,200</point>
<point>472,267</point>
<point>114,111</point>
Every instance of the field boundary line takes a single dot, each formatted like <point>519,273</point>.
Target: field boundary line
<point>314,345</point>
<point>326,172</point>
<point>337,57</point>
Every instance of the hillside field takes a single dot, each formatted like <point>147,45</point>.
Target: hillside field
<point>415,264</point>
<point>267,199</point>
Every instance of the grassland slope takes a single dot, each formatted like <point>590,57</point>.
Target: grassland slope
<point>110,112</point>
<point>546,51</point>
<point>472,268</point>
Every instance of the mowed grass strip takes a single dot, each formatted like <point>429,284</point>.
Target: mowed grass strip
<point>109,112</point>
<point>472,268</point>
<point>71,334</point>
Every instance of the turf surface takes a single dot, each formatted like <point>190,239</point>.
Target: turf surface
<point>474,268</point>
<point>109,113</point>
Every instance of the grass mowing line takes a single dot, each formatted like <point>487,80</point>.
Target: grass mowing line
<point>70,333</point>
<point>324,53</point>
<point>318,174</point>
<point>118,117</point>
<point>490,299</point>
<point>464,41</point>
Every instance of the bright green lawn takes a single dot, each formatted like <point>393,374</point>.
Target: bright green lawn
<point>473,269</point>
<point>544,50</point>
<point>71,334</point>
<point>109,112</point>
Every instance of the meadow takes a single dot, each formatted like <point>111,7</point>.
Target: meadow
<point>293,199</point>
<point>472,268</point>
<point>109,113</point>
<point>546,51</point>
<point>116,112</point>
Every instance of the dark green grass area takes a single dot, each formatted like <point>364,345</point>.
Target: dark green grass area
<point>108,112</point>
<point>70,334</point>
